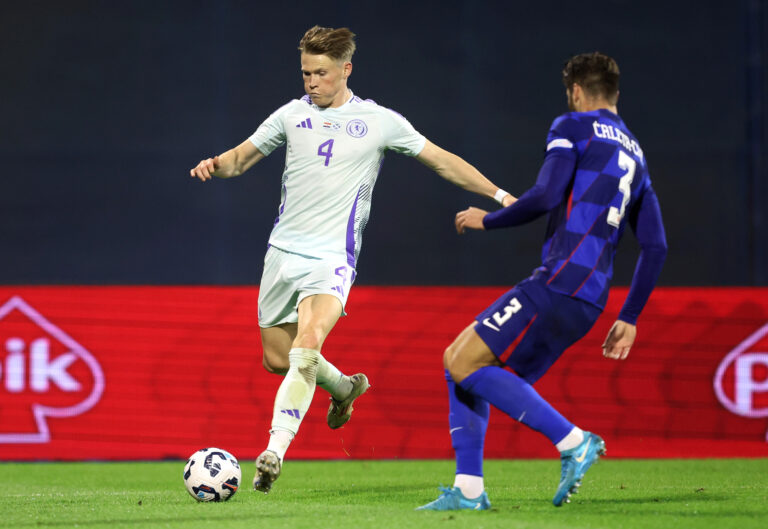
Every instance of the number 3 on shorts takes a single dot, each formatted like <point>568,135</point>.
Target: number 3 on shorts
<point>513,307</point>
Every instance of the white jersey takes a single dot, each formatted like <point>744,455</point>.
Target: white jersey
<point>332,161</point>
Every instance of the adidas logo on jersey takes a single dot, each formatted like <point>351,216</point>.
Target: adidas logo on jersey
<point>306,124</point>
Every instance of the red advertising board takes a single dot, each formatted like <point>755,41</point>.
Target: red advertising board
<point>101,373</point>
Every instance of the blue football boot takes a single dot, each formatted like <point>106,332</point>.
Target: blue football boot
<point>453,500</point>
<point>575,463</point>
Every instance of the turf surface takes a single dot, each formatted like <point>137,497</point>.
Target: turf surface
<point>666,494</point>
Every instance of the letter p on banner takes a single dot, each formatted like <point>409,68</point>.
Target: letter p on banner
<point>747,383</point>
<point>741,380</point>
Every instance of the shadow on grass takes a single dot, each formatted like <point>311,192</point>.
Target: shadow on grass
<point>688,497</point>
<point>686,505</point>
<point>188,521</point>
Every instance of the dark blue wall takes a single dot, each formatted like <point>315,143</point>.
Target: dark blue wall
<point>106,105</point>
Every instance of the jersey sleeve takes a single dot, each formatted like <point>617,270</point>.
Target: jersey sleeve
<point>551,184</point>
<point>561,139</point>
<point>271,133</point>
<point>554,176</point>
<point>645,220</point>
<point>399,135</point>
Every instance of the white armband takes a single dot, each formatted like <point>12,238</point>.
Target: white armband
<point>499,196</point>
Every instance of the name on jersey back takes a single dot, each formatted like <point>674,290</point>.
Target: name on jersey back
<point>609,132</point>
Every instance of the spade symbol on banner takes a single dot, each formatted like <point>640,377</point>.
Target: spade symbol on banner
<point>43,373</point>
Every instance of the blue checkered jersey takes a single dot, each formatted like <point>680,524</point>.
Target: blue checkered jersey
<point>594,181</point>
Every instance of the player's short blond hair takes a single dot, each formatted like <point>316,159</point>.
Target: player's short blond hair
<point>338,44</point>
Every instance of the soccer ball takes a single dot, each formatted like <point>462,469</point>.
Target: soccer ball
<point>212,474</point>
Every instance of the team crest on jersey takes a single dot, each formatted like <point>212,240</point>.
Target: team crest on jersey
<point>357,128</point>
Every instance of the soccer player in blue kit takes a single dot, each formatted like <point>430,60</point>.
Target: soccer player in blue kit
<point>594,180</point>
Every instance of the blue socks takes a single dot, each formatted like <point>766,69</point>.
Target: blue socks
<point>468,421</point>
<point>515,397</point>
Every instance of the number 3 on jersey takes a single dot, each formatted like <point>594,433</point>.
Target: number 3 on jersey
<point>328,152</point>
<point>627,164</point>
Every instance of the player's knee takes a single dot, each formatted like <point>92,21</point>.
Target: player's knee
<point>310,338</point>
<point>452,361</point>
<point>461,362</point>
<point>308,342</point>
<point>459,370</point>
<point>448,357</point>
<point>458,373</point>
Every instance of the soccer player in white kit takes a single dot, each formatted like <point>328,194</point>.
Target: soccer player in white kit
<point>335,146</point>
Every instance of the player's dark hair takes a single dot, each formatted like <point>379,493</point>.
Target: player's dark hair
<point>338,44</point>
<point>595,73</point>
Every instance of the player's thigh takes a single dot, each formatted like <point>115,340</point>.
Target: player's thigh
<point>322,297</point>
<point>278,289</point>
<point>276,342</point>
<point>327,277</point>
<point>563,322</point>
<point>467,354</point>
<point>509,324</point>
<point>289,278</point>
<point>308,291</point>
<point>318,314</point>
<point>530,327</point>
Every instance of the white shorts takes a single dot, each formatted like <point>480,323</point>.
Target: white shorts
<point>288,278</point>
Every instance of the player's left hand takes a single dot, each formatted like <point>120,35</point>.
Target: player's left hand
<point>471,218</point>
<point>619,340</point>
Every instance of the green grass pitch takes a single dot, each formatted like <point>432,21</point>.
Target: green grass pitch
<point>670,494</point>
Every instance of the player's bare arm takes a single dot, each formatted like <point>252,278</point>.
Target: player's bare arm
<point>619,340</point>
<point>234,162</point>
<point>457,171</point>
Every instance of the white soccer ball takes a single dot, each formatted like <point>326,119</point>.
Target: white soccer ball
<point>212,474</point>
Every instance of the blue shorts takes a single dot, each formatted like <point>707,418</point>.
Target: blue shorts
<point>530,326</point>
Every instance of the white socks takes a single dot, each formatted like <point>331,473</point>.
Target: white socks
<point>307,370</point>
<point>574,438</point>
<point>279,440</point>
<point>332,380</point>
<point>295,393</point>
<point>471,486</point>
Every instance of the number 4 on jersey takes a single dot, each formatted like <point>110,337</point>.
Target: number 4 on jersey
<point>328,152</point>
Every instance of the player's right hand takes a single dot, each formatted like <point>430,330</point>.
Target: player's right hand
<point>471,218</point>
<point>619,340</point>
<point>205,169</point>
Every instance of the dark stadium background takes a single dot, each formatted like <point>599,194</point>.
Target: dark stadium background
<point>106,105</point>
<point>138,285</point>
